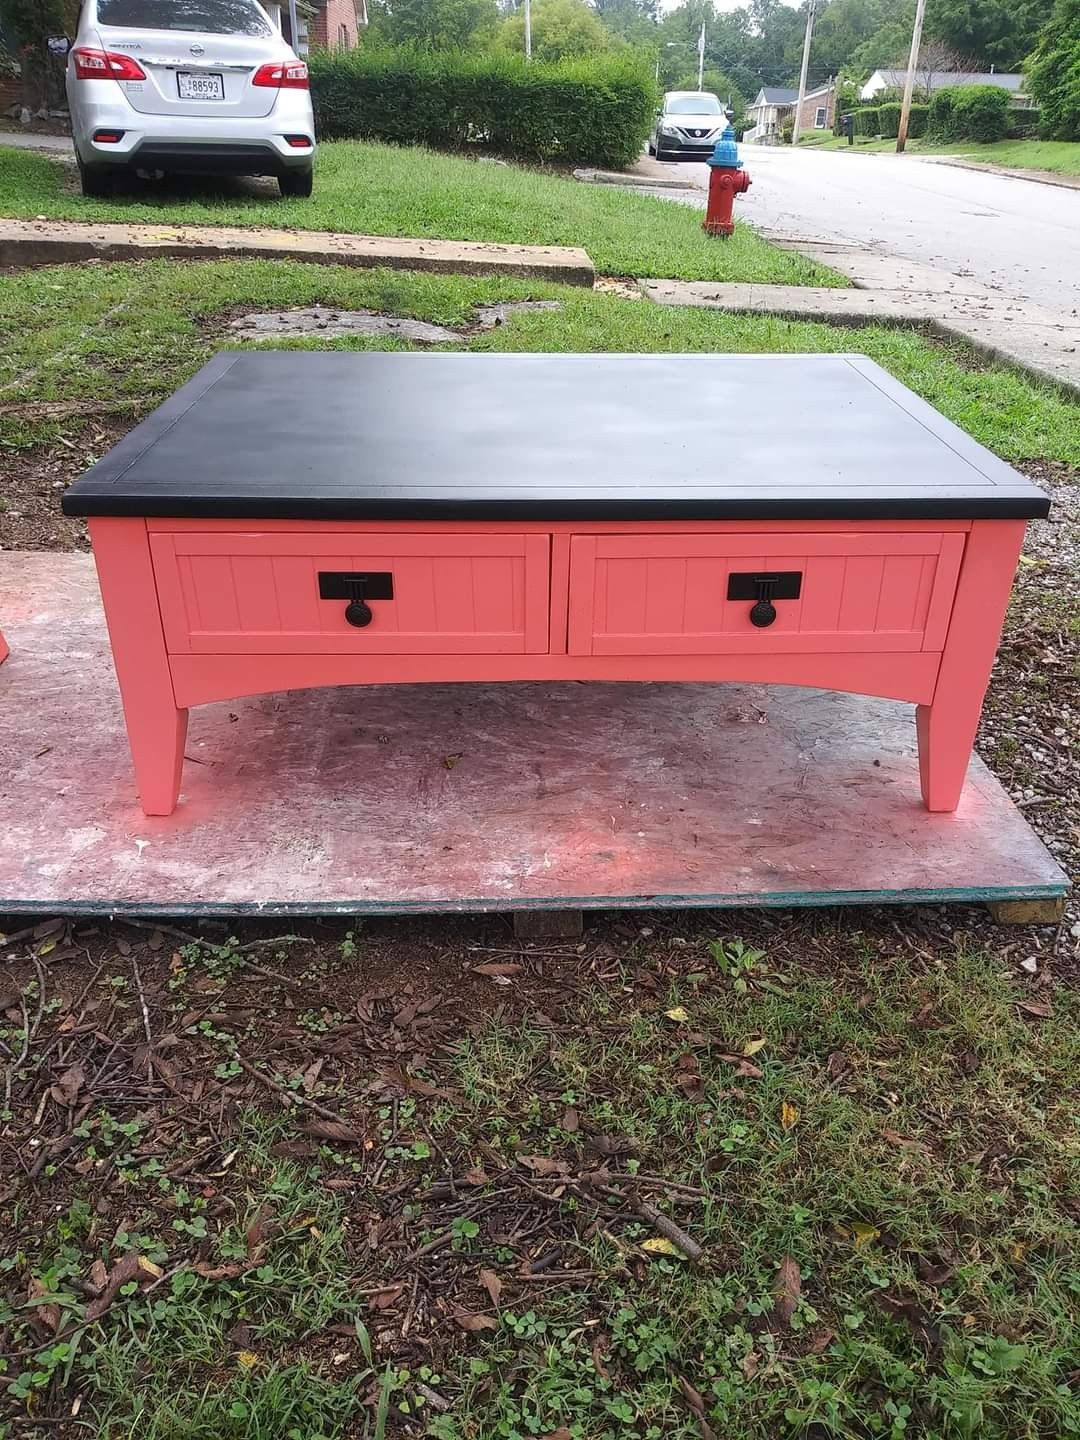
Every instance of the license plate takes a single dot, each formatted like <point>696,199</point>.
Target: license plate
<point>200,87</point>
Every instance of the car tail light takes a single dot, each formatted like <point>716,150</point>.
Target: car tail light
<point>282,75</point>
<point>298,142</point>
<point>108,137</point>
<point>105,65</point>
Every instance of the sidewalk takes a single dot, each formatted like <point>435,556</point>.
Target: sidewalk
<point>59,242</point>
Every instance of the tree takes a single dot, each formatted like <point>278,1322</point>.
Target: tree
<point>993,32</point>
<point>30,23</point>
<point>559,28</point>
<point>631,20</point>
<point>1053,73</point>
<point>434,24</point>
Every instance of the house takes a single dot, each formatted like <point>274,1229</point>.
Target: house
<point>323,24</point>
<point>818,111</point>
<point>765,116</point>
<point>929,81</point>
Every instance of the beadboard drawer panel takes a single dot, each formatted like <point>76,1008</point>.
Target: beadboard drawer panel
<point>667,594</point>
<point>258,593</point>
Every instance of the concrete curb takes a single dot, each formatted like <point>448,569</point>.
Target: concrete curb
<point>634,182</point>
<point>1022,336</point>
<point>1037,177</point>
<point>60,242</point>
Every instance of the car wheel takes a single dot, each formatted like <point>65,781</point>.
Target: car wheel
<point>296,182</point>
<point>96,182</point>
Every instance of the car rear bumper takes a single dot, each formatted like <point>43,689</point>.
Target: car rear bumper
<point>198,145</point>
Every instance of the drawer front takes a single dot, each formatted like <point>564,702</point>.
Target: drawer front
<point>259,593</point>
<point>668,594</point>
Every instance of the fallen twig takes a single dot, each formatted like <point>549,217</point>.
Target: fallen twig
<point>670,1231</point>
<point>290,1097</point>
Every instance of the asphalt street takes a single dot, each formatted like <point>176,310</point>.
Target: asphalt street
<point>1017,237</point>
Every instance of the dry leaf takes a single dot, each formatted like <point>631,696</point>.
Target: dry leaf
<point>789,1115</point>
<point>129,1267</point>
<point>1040,1009</point>
<point>696,1401</point>
<point>787,1291</point>
<point>903,1143</point>
<point>495,969</point>
<point>543,1165</point>
<point>561,1434</point>
<point>679,1014</point>
<point>66,1090</point>
<point>44,1318</point>
<point>258,1233</point>
<point>571,1121</point>
<point>492,1284</point>
<point>475,1322</point>
<point>228,1271</point>
<point>753,1046</point>
<point>864,1234</point>
<point>660,1245</point>
<point>331,1130</point>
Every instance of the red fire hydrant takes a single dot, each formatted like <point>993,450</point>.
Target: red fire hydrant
<point>727,179</point>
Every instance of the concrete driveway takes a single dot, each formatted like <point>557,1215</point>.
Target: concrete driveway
<point>1016,237</point>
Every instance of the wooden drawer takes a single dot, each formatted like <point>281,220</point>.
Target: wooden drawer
<point>259,593</point>
<point>639,594</point>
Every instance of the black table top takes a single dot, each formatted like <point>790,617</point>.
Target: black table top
<point>333,435</point>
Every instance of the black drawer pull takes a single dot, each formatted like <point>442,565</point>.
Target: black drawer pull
<point>763,590</point>
<point>357,587</point>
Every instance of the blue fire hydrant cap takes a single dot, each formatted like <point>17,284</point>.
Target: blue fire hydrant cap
<point>726,152</point>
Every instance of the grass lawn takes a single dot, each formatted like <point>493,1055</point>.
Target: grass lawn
<point>871,1138</point>
<point>1059,157</point>
<point>79,343</point>
<point>386,190</point>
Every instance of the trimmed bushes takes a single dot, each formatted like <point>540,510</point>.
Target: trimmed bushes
<point>969,112</point>
<point>917,117</point>
<point>590,111</point>
<point>888,121</point>
<point>867,121</point>
<point>1053,72</point>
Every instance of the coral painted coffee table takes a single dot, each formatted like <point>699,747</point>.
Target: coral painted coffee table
<point>293,519</point>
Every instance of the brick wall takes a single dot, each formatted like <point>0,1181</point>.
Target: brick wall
<point>824,100</point>
<point>334,24</point>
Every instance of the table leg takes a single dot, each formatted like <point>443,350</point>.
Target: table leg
<point>156,727</point>
<point>946,727</point>
<point>4,651</point>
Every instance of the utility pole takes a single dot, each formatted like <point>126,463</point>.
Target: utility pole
<point>797,126</point>
<point>701,56</point>
<point>909,79</point>
<point>528,29</point>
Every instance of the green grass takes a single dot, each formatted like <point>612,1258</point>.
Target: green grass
<point>904,1135</point>
<point>1057,157</point>
<point>87,339</point>
<point>385,190</point>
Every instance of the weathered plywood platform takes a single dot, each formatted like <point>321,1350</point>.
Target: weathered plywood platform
<point>471,797</point>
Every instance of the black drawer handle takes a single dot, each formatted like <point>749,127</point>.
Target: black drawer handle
<point>357,587</point>
<point>763,590</point>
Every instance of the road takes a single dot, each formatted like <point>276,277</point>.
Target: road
<point>1016,237</point>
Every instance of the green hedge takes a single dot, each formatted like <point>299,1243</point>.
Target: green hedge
<point>596,110</point>
<point>917,118</point>
<point>969,112</point>
<point>888,121</point>
<point>867,121</point>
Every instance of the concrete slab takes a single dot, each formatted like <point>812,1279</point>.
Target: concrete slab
<point>471,797</point>
<point>844,307</point>
<point>872,270</point>
<point>54,242</point>
<point>1042,347</point>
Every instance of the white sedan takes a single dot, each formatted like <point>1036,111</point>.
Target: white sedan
<point>203,86</point>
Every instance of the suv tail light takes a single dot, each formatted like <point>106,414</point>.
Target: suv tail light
<point>105,65</point>
<point>282,75</point>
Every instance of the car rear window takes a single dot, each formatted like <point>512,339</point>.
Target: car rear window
<point>218,17</point>
<point>694,105</point>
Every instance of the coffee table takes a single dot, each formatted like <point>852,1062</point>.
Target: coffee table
<point>294,519</point>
